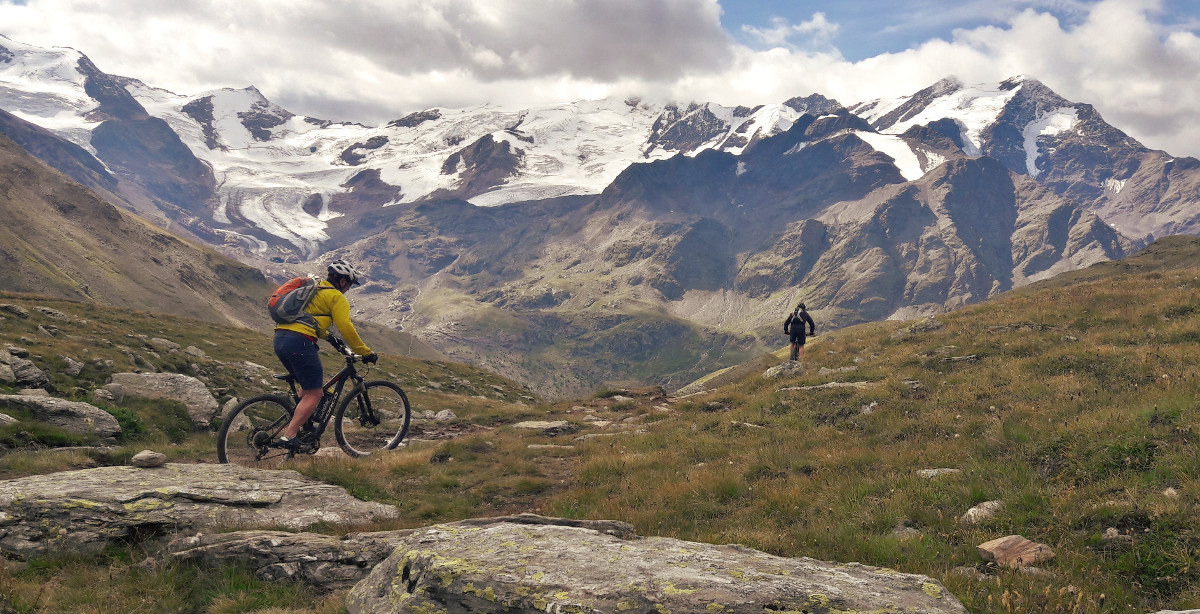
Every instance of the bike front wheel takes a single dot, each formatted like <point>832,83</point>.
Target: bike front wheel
<point>248,430</point>
<point>374,418</point>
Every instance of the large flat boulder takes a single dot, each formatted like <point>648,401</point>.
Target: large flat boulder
<point>71,416</point>
<point>325,562</point>
<point>520,567</point>
<point>82,511</point>
<point>201,406</point>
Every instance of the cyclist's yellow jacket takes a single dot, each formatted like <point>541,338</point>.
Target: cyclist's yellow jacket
<point>330,306</point>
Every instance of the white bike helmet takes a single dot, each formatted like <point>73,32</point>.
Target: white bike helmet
<point>341,268</point>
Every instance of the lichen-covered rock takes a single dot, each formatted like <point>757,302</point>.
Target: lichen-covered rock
<point>201,406</point>
<point>71,416</point>
<point>510,567</point>
<point>82,511</point>
<point>784,369</point>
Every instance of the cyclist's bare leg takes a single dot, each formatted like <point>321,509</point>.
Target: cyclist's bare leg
<point>304,409</point>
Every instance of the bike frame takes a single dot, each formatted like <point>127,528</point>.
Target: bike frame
<point>329,398</point>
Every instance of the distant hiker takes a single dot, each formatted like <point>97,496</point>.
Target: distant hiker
<point>794,327</point>
<point>296,342</point>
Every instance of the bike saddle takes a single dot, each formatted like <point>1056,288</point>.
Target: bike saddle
<point>287,377</point>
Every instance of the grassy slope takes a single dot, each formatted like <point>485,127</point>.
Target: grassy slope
<point>1079,411</point>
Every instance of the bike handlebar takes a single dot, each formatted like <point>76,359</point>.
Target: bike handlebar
<point>343,349</point>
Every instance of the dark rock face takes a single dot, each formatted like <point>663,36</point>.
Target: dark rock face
<point>684,129</point>
<point>412,120</point>
<point>262,117</point>
<point>65,156</point>
<point>141,148</point>
<point>356,153</point>
<point>201,110</point>
<point>483,164</point>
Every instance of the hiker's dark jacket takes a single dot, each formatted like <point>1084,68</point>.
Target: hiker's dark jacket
<point>794,326</point>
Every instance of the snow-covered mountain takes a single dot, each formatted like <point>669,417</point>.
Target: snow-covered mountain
<point>278,172</point>
<point>588,242</point>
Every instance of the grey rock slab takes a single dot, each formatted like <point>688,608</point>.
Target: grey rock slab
<point>71,416</point>
<point>327,562</point>
<point>201,406</point>
<point>549,428</point>
<point>510,567</point>
<point>84,510</point>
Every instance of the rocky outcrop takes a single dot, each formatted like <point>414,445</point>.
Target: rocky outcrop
<point>201,406</point>
<point>82,511</point>
<point>71,416</point>
<point>511,567</point>
<point>326,562</point>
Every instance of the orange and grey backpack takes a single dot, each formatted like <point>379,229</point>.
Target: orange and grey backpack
<point>288,302</point>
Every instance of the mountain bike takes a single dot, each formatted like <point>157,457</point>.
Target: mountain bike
<point>373,416</point>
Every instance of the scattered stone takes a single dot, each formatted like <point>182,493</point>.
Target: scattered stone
<point>970,572</point>
<point>71,416</point>
<point>544,446</point>
<point>26,374</point>
<point>15,310</point>
<point>830,385</point>
<point>549,428</point>
<point>1111,534</point>
<point>925,325</point>
<point>913,384</point>
<point>52,313</point>
<point>48,330</point>
<point>19,352</point>
<point>74,367</point>
<point>7,419</point>
<point>102,394</point>
<point>784,369</point>
<point>445,416</point>
<point>905,530</point>
<point>828,371</point>
<point>148,459</point>
<point>981,512</point>
<point>868,408</point>
<point>1171,493</point>
<point>6,373</point>
<point>967,358</point>
<point>202,408</point>
<point>33,392</point>
<point>164,345</point>
<point>520,567</point>
<point>192,350</point>
<point>1015,552</point>
<point>933,473</point>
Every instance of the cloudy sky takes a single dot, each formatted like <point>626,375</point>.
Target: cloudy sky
<point>371,61</point>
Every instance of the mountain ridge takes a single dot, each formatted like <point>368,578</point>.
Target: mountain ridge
<point>624,241</point>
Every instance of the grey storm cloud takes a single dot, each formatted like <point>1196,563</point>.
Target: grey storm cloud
<point>493,39</point>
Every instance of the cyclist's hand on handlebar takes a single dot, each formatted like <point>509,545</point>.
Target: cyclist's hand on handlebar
<point>371,358</point>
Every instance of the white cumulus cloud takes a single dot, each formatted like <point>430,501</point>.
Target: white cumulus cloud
<point>376,60</point>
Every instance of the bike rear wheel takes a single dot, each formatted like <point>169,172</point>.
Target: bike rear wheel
<point>250,427</point>
<point>374,418</point>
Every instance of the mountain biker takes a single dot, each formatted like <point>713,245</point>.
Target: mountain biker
<point>296,343</point>
<point>794,327</point>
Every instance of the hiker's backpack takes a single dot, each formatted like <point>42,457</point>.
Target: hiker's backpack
<point>287,303</point>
